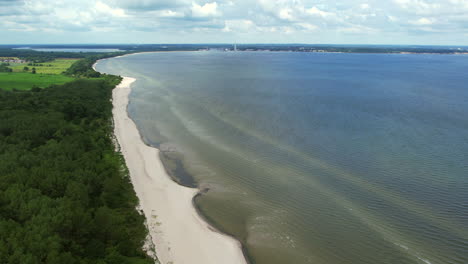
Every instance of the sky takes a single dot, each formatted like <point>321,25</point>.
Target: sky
<point>422,22</point>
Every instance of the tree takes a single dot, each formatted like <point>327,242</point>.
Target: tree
<point>4,67</point>
<point>26,68</point>
<point>63,195</point>
<point>33,70</point>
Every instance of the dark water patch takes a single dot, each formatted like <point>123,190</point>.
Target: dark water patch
<point>151,143</point>
<point>175,169</point>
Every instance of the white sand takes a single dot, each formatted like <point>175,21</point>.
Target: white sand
<point>179,234</point>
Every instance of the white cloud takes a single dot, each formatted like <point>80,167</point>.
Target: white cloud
<point>460,3</point>
<point>285,13</point>
<point>422,22</point>
<point>13,26</point>
<point>168,13</point>
<point>307,26</point>
<point>256,18</point>
<point>206,10</point>
<point>101,7</point>
<point>434,7</point>
<point>239,25</point>
<point>392,18</point>
<point>315,11</point>
<point>358,29</point>
<point>149,5</point>
<point>364,6</point>
<point>417,5</point>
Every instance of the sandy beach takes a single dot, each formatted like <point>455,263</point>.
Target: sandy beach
<point>179,234</point>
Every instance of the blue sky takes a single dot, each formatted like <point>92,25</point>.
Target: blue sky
<point>432,22</point>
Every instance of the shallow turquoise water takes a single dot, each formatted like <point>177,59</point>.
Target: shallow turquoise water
<point>316,158</point>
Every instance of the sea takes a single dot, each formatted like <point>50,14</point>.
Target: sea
<point>324,158</point>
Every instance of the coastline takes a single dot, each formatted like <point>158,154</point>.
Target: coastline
<point>179,233</point>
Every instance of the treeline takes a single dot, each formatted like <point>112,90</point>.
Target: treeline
<point>84,67</point>
<point>65,196</point>
<point>127,47</point>
<point>4,67</point>
<point>39,56</point>
<point>34,56</point>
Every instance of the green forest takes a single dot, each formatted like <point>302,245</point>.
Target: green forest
<point>46,56</point>
<point>65,193</point>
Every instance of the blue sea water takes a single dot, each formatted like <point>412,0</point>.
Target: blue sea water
<point>316,158</point>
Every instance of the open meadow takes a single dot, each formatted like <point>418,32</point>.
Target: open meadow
<point>56,66</point>
<point>46,74</point>
<point>25,81</point>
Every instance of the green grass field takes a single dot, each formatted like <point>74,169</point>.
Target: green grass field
<point>56,66</point>
<point>25,81</point>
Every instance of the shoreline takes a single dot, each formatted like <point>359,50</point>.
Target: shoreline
<point>178,231</point>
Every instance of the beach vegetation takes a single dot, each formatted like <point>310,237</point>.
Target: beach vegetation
<point>83,68</point>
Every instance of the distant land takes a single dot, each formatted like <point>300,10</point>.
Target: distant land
<point>241,47</point>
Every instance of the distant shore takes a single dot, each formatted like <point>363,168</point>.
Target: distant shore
<point>179,233</point>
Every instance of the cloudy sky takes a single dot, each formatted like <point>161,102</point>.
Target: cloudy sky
<point>241,21</point>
